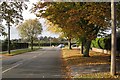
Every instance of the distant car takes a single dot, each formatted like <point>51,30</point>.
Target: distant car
<point>61,46</point>
<point>74,45</point>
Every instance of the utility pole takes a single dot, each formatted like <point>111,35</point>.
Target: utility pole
<point>113,39</point>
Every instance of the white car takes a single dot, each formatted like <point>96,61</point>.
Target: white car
<point>74,45</point>
<point>61,46</point>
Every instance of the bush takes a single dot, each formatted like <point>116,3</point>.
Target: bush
<point>105,43</point>
<point>99,43</point>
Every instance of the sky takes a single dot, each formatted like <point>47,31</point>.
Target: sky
<point>27,15</point>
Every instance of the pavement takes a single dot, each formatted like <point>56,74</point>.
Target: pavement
<point>43,63</point>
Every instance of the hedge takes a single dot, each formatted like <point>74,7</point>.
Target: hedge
<point>104,43</point>
<point>14,46</point>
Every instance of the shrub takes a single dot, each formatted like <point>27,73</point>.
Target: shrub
<point>98,43</point>
<point>105,43</point>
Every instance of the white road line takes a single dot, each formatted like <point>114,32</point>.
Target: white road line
<point>34,56</point>
<point>18,64</point>
<point>1,68</point>
<point>11,68</point>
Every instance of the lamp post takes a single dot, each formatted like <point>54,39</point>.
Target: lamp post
<point>113,39</point>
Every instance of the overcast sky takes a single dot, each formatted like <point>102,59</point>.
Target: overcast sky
<point>27,15</point>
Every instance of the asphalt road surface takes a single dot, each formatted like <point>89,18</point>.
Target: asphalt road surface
<point>43,63</point>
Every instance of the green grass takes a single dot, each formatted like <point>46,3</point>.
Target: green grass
<point>20,51</point>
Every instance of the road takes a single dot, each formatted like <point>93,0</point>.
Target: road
<point>43,63</point>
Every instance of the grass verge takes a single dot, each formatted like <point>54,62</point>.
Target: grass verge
<point>74,58</point>
<point>20,51</point>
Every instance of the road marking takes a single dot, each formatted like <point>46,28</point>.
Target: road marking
<point>20,63</point>
<point>34,56</point>
<point>1,68</point>
<point>11,68</point>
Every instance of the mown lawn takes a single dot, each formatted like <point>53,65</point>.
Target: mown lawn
<point>73,57</point>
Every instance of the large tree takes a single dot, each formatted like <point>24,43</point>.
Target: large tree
<point>11,12</point>
<point>77,19</point>
<point>30,29</point>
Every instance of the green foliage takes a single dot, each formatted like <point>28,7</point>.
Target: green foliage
<point>5,45</point>
<point>2,32</point>
<point>30,28</point>
<point>102,43</point>
<point>99,43</point>
<point>11,12</point>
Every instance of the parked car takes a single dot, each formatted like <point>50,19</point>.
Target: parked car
<point>74,45</point>
<point>61,46</point>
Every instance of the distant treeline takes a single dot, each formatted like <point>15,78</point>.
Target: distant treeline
<point>52,44</point>
<point>14,45</point>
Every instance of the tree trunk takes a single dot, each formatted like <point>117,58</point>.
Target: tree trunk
<point>39,43</point>
<point>8,38</point>
<point>31,43</point>
<point>86,49</point>
<point>82,47</point>
<point>69,44</point>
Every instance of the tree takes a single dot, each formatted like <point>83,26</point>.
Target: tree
<point>2,32</point>
<point>90,19</point>
<point>64,33</point>
<point>67,29</point>
<point>53,28</point>
<point>30,29</point>
<point>77,18</point>
<point>11,12</point>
